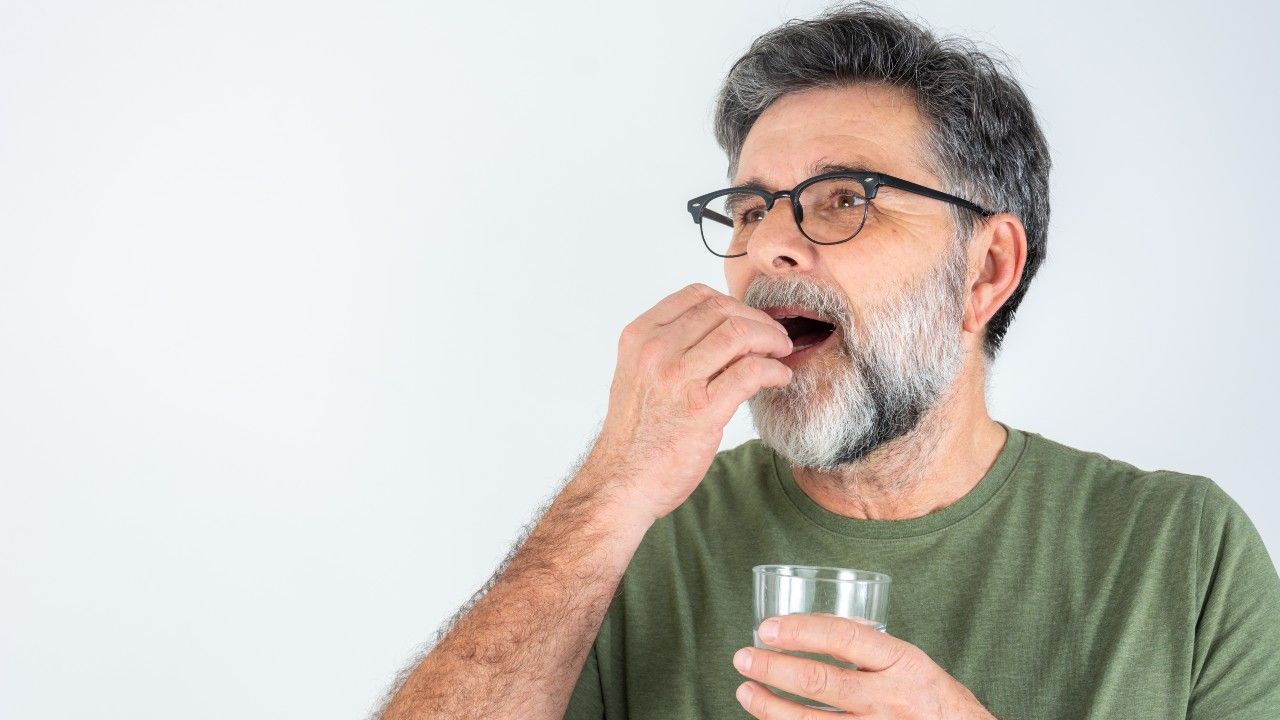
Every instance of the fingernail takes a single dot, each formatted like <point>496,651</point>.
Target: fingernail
<point>742,659</point>
<point>744,693</point>
<point>768,630</point>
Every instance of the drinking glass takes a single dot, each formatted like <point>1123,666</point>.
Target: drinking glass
<point>843,592</point>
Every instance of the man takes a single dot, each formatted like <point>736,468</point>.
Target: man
<point>887,210</point>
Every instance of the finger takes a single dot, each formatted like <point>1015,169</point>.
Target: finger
<point>742,379</point>
<point>854,641</point>
<point>838,687</point>
<point>673,306</point>
<point>701,319</point>
<point>733,338</point>
<point>762,703</point>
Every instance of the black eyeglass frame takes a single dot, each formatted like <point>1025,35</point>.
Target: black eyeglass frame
<point>870,181</point>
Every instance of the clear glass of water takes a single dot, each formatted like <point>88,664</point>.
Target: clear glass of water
<point>787,589</point>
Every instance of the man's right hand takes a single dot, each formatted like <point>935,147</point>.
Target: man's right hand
<point>684,367</point>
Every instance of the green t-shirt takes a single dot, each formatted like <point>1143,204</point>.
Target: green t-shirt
<point>1065,584</point>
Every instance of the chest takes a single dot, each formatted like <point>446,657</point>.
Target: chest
<point>1067,638</point>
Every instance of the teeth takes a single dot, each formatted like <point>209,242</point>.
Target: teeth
<point>790,317</point>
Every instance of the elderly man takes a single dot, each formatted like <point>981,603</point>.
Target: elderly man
<point>887,210</point>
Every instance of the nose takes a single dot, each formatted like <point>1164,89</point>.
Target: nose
<point>777,243</point>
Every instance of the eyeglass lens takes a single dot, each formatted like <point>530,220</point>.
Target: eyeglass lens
<point>833,211</point>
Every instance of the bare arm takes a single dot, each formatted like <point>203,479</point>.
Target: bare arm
<point>507,656</point>
<point>684,367</point>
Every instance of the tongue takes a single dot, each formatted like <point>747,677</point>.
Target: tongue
<point>806,331</point>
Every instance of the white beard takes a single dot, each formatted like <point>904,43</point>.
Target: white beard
<point>883,383</point>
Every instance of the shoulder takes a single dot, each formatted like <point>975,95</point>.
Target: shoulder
<point>1062,471</point>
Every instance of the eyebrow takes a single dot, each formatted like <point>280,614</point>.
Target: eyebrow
<point>818,168</point>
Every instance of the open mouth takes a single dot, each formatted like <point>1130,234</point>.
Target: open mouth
<point>806,332</point>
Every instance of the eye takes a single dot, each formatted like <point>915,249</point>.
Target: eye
<point>744,208</point>
<point>847,199</point>
<point>746,211</point>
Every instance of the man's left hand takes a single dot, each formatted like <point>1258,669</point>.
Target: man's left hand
<point>894,679</point>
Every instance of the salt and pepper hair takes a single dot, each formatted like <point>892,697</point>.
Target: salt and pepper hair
<point>983,140</point>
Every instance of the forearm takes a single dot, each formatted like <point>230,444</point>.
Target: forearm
<point>509,655</point>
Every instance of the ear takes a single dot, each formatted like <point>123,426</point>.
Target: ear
<point>999,249</point>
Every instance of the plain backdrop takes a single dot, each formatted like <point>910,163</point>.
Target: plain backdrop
<point>306,307</point>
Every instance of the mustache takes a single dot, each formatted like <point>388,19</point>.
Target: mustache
<point>819,299</point>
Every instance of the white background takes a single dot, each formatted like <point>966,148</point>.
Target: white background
<point>305,307</point>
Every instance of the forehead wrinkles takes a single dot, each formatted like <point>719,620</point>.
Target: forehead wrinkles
<point>881,125</point>
<point>783,168</point>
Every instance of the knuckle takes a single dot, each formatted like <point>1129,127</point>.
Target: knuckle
<point>683,365</point>
<point>669,374</point>
<point>847,635</point>
<point>743,372</point>
<point>699,289</point>
<point>631,334</point>
<point>846,684</point>
<point>735,328</point>
<point>696,397</point>
<point>718,302</point>
<point>712,303</point>
<point>814,679</point>
<point>651,352</point>
<point>909,657</point>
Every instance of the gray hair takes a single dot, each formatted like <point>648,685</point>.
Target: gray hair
<point>983,139</point>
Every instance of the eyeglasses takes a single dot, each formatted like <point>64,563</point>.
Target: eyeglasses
<point>829,209</point>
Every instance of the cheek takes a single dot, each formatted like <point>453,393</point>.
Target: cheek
<point>878,271</point>
<point>864,283</point>
<point>897,254</point>
<point>737,278</point>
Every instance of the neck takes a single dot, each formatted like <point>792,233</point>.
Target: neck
<point>921,472</point>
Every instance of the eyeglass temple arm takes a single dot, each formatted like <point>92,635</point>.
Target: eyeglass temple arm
<point>709,213</point>
<point>936,195</point>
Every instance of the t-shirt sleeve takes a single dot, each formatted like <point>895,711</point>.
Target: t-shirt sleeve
<point>1235,670</point>
<point>587,701</point>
